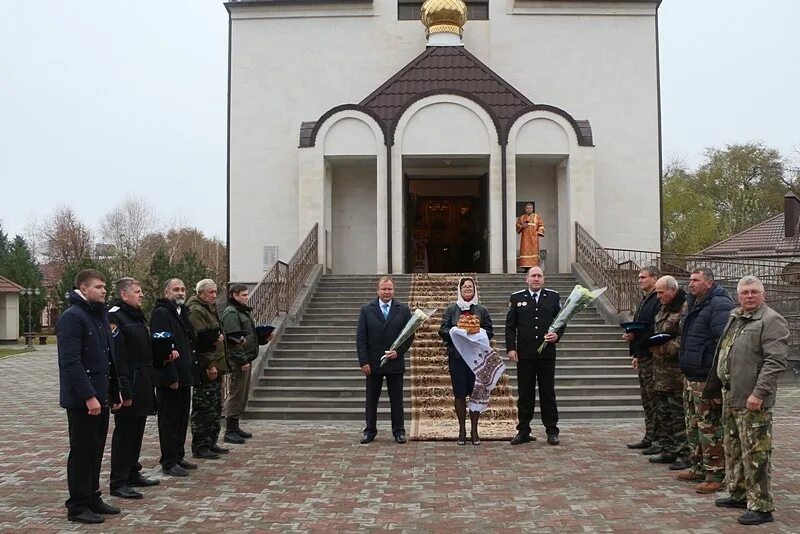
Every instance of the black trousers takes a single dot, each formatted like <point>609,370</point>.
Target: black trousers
<point>394,383</point>
<point>87,441</point>
<point>173,422</point>
<point>531,373</point>
<point>126,446</point>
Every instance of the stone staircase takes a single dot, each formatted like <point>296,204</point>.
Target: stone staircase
<point>313,372</point>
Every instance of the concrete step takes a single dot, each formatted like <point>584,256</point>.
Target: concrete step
<point>351,362</point>
<point>311,355</point>
<point>358,391</point>
<point>353,370</point>
<point>589,331</point>
<point>324,344</point>
<point>350,320</point>
<point>355,379</point>
<point>339,336</point>
<point>358,401</point>
<point>357,414</point>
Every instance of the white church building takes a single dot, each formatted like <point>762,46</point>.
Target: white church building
<point>399,126</point>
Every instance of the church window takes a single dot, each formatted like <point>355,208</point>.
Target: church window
<point>409,10</point>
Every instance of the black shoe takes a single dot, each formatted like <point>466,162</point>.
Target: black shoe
<point>642,444</point>
<point>368,437</point>
<point>186,465</point>
<point>176,471</point>
<point>652,449</point>
<point>126,492</point>
<point>142,482</point>
<point>727,502</point>
<point>662,459</point>
<point>519,439</point>
<point>104,508</point>
<point>244,434</point>
<point>680,464</point>
<point>552,439</point>
<point>754,517</point>
<point>400,438</point>
<point>219,450</point>
<point>233,437</point>
<point>462,438</point>
<point>88,517</point>
<point>206,454</point>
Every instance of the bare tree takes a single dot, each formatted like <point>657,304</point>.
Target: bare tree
<point>125,229</point>
<point>63,237</point>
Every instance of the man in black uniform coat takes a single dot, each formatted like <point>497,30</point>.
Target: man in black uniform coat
<point>176,375</point>
<point>133,360</point>
<point>530,313</point>
<point>379,324</point>
<point>87,382</point>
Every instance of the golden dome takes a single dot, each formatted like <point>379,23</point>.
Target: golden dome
<point>443,16</point>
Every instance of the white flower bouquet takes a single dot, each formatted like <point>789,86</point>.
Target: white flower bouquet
<point>413,324</point>
<point>578,299</point>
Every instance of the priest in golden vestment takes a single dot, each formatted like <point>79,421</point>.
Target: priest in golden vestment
<point>530,228</point>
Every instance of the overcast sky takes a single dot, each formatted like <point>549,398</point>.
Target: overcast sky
<point>130,97</point>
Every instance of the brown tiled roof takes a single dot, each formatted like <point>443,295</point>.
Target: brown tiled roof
<point>767,238</point>
<point>446,70</point>
<point>7,286</point>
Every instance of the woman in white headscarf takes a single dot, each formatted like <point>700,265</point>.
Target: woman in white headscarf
<point>461,376</point>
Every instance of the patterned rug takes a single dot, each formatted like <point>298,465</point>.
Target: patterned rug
<point>433,416</point>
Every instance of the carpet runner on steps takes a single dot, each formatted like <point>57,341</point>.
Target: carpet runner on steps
<point>432,413</point>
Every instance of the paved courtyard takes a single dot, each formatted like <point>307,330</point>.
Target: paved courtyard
<point>318,478</point>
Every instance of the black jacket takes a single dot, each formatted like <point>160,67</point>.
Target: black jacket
<point>133,358</point>
<point>646,313</point>
<point>185,369</point>
<point>85,355</point>
<point>375,335</point>
<point>527,323</point>
<point>701,328</point>
<point>450,318</point>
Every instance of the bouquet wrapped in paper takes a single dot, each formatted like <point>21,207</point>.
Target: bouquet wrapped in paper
<point>578,299</point>
<point>413,324</point>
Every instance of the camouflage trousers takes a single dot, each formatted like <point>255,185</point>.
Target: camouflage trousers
<point>206,412</point>
<point>704,432</point>
<point>671,423</point>
<point>748,447</point>
<point>648,393</point>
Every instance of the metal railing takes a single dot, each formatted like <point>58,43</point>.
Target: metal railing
<point>282,283</point>
<point>618,269</point>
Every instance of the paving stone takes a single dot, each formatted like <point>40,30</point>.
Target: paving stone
<point>317,478</point>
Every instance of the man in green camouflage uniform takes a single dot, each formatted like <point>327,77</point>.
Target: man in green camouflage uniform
<point>667,376</point>
<point>750,358</point>
<point>213,359</point>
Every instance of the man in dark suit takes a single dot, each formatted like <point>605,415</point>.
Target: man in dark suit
<point>133,360</point>
<point>530,314</point>
<point>177,373</point>
<point>379,324</point>
<point>87,384</point>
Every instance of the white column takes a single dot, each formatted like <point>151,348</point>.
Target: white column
<point>382,226</point>
<point>311,195</point>
<point>511,208</point>
<point>398,207</point>
<point>581,194</point>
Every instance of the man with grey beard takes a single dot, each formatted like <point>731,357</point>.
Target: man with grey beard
<point>177,374</point>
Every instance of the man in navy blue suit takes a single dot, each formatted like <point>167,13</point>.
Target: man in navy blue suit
<point>379,324</point>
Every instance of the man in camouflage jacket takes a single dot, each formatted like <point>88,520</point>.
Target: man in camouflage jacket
<point>749,359</point>
<point>667,375</point>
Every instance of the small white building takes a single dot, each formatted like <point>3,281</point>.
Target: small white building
<point>386,132</point>
<point>9,311</point>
